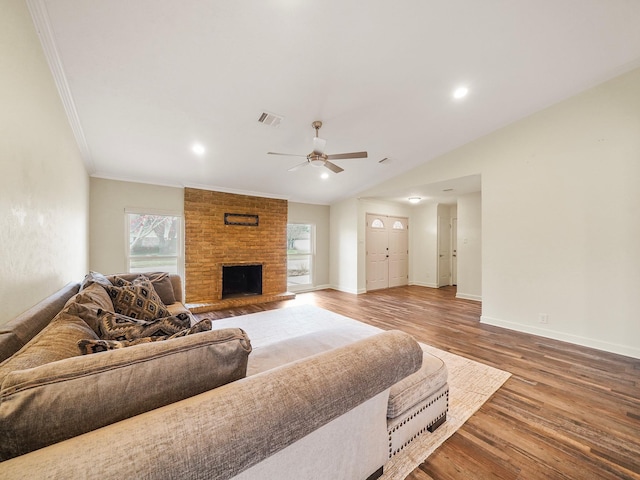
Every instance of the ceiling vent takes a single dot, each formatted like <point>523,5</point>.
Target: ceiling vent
<point>270,119</point>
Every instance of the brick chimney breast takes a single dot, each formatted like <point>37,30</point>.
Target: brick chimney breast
<point>210,244</point>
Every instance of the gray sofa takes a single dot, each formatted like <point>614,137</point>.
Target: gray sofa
<point>324,396</point>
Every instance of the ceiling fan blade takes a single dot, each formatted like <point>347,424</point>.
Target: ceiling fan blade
<point>296,167</point>
<point>333,167</point>
<point>340,156</point>
<point>318,145</point>
<point>286,154</point>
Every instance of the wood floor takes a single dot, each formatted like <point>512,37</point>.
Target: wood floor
<point>567,412</point>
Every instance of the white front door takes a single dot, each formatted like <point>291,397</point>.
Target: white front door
<point>444,251</point>
<point>387,251</point>
<point>377,252</point>
<point>398,251</point>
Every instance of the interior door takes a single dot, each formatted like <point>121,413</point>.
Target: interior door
<point>444,251</point>
<point>454,252</point>
<point>377,241</point>
<point>398,251</point>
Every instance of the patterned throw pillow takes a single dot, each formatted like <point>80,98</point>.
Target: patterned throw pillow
<point>88,346</point>
<point>160,281</point>
<point>137,300</point>
<point>115,326</point>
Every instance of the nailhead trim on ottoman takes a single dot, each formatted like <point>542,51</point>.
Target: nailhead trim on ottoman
<point>424,416</point>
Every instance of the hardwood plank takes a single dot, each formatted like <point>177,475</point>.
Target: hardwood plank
<point>568,412</point>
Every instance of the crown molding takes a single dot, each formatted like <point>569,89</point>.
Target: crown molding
<point>249,193</point>
<point>40,17</point>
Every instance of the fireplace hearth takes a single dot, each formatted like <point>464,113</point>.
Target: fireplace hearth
<point>241,280</point>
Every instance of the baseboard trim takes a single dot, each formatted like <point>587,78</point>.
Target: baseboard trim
<point>346,290</point>
<point>468,296</point>
<point>564,337</point>
<point>423,284</point>
<point>310,289</point>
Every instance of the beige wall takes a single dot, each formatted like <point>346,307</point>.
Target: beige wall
<point>44,187</point>
<point>423,249</point>
<point>469,246</point>
<point>317,215</point>
<point>343,245</point>
<point>109,199</point>
<point>559,209</point>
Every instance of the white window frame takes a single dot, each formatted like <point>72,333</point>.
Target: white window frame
<point>149,211</point>
<point>311,256</point>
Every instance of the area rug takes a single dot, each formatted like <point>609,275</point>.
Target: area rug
<point>470,385</point>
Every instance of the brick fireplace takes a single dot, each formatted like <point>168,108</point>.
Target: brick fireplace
<point>224,230</point>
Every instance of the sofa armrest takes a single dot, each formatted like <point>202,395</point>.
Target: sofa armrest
<point>16,333</point>
<point>220,433</point>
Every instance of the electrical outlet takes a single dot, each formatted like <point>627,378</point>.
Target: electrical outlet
<point>543,318</point>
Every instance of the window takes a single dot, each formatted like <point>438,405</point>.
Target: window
<point>300,253</point>
<point>154,242</point>
<point>377,223</point>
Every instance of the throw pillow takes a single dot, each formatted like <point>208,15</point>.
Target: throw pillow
<point>138,300</point>
<point>160,280</point>
<point>87,303</point>
<point>88,346</point>
<point>94,277</point>
<point>162,283</point>
<point>115,326</point>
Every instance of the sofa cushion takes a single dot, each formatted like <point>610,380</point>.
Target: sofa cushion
<point>63,399</point>
<point>115,326</point>
<point>138,300</point>
<point>56,341</point>
<point>416,387</point>
<point>88,346</point>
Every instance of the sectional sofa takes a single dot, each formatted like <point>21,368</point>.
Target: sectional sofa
<point>298,392</point>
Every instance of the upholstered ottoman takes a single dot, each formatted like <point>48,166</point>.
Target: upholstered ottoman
<point>417,404</point>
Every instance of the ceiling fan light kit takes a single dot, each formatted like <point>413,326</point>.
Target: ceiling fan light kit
<point>317,158</point>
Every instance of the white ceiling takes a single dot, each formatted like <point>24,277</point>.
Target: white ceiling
<point>144,79</point>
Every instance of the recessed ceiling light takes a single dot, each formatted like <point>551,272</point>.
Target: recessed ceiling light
<point>324,176</point>
<point>198,149</point>
<point>460,92</point>
<point>414,199</point>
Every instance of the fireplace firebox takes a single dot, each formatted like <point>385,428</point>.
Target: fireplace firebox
<point>241,280</point>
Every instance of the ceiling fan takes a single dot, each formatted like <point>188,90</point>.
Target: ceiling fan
<point>318,158</point>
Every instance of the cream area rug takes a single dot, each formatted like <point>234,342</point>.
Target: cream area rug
<point>470,385</point>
